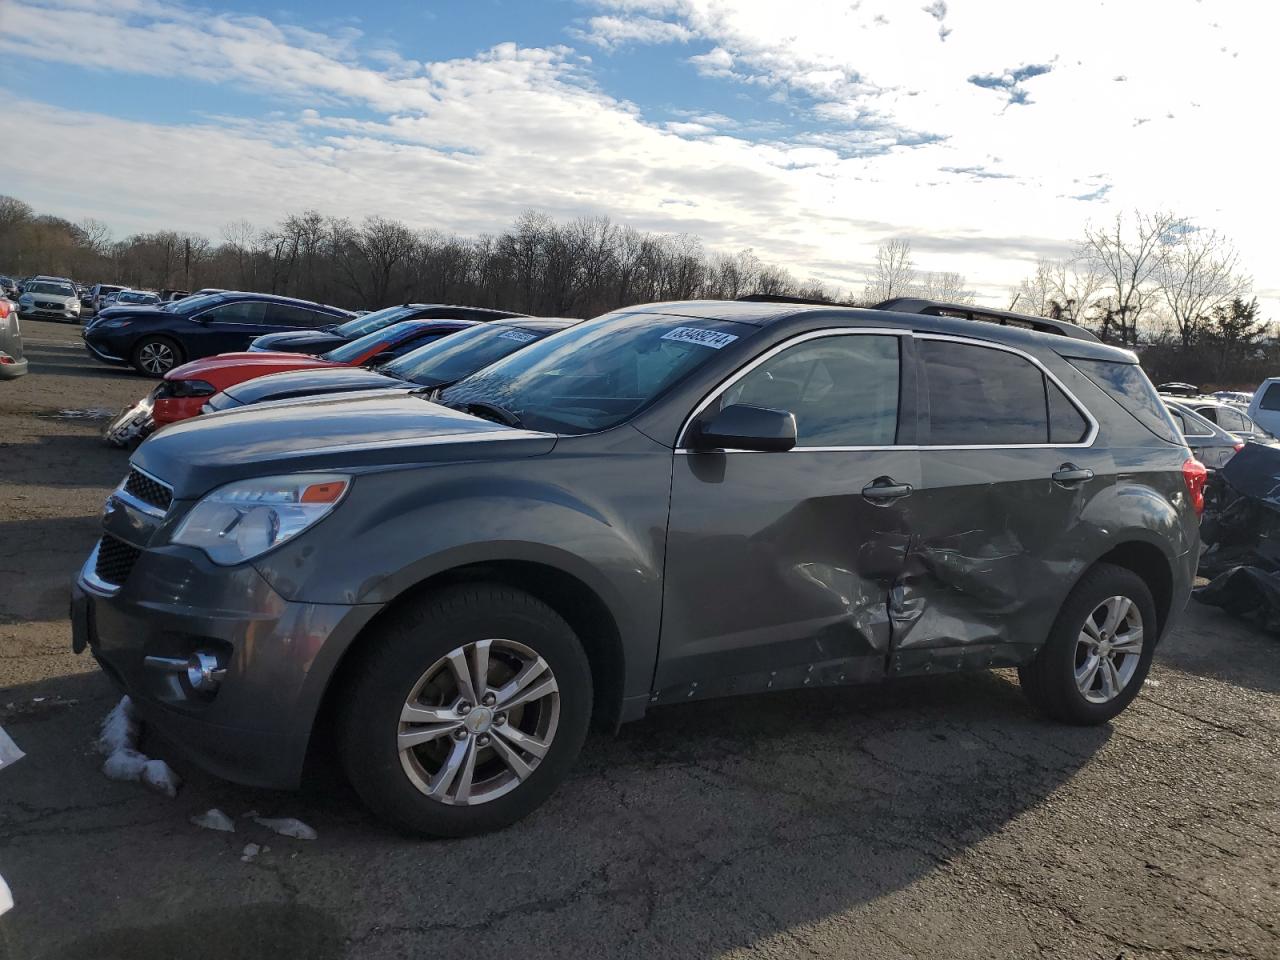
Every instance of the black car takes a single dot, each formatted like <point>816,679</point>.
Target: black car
<point>155,339</point>
<point>434,366</point>
<point>665,503</point>
<point>322,340</point>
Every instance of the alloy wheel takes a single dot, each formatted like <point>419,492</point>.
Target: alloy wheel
<point>478,722</point>
<point>156,357</point>
<point>1108,649</point>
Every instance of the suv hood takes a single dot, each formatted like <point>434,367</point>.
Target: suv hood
<point>302,383</point>
<point>391,428</point>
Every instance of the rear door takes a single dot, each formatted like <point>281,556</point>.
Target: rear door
<point>1007,471</point>
<point>779,565</point>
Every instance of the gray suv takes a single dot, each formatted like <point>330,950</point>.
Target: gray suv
<point>668,502</point>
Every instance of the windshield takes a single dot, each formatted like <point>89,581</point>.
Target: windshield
<point>372,322</point>
<point>137,298</point>
<point>193,304</point>
<point>461,354</point>
<point>599,373</point>
<point>53,289</point>
<point>353,351</point>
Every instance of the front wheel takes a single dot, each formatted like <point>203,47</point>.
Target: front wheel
<point>466,712</point>
<point>1099,650</point>
<point>156,356</point>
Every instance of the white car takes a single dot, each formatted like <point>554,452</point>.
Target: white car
<point>1264,408</point>
<point>50,299</point>
<point>130,298</point>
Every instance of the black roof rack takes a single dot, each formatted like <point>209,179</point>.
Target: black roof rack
<point>967,311</point>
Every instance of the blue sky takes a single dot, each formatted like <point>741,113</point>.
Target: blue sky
<point>988,132</point>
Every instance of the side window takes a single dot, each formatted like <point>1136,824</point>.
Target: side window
<point>843,390</point>
<point>1066,425</point>
<point>1211,414</point>
<point>287,315</point>
<point>980,396</point>
<point>1231,421</point>
<point>1271,399</point>
<point>1179,420</point>
<point>241,311</point>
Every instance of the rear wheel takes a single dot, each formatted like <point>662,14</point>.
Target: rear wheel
<point>1099,650</point>
<point>467,712</point>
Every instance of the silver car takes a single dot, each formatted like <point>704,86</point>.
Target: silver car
<point>1209,443</point>
<point>50,300</point>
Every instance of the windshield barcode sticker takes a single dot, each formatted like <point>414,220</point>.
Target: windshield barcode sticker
<point>705,338</point>
<point>519,336</point>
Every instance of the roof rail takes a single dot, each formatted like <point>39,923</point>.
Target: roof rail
<point>968,311</point>
<point>779,298</point>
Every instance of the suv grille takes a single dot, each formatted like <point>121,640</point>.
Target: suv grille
<point>150,491</point>
<point>115,560</point>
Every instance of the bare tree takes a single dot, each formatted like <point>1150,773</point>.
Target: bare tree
<point>97,235</point>
<point>1130,258</point>
<point>947,286</point>
<point>894,271</point>
<point>1200,270</point>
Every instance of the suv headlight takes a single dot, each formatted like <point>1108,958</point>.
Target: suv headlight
<point>244,520</point>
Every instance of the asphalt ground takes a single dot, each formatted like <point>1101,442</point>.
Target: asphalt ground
<point>932,818</point>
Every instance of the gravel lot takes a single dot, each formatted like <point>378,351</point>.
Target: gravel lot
<point>930,818</point>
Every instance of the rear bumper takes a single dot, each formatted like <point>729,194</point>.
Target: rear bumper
<point>279,657</point>
<point>11,371</point>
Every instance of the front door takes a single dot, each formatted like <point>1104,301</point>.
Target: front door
<point>1000,520</point>
<point>779,565</point>
<point>230,327</point>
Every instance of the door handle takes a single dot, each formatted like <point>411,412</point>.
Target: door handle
<point>884,489</point>
<point>1069,473</point>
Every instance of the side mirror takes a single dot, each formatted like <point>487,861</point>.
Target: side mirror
<point>744,427</point>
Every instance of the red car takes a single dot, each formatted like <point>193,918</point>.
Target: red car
<point>186,388</point>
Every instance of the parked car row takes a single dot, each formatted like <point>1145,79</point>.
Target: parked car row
<point>444,575</point>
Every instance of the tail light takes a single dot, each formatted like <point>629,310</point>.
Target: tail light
<point>5,358</point>
<point>1194,476</point>
<point>1239,446</point>
<point>4,309</point>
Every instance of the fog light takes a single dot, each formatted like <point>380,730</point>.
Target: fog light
<point>204,673</point>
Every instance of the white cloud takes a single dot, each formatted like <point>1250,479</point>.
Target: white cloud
<point>954,144</point>
<point>611,32</point>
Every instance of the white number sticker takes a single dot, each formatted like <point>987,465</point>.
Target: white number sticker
<point>706,338</point>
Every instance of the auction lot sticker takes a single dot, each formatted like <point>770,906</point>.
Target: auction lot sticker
<point>705,338</point>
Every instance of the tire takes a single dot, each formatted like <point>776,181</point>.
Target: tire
<point>407,660</point>
<point>1058,681</point>
<point>155,347</point>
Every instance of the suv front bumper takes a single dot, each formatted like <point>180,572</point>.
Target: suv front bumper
<point>279,657</point>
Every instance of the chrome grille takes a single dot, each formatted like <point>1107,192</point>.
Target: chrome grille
<point>148,490</point>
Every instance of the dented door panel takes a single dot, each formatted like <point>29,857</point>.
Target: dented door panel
<point>778,570</point>
<point>997,545</point>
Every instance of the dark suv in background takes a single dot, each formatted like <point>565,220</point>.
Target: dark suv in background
<point>668,502</point>
<point>155,339</point>
<point>327,338</point>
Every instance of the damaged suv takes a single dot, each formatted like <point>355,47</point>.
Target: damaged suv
<point>665,503</point>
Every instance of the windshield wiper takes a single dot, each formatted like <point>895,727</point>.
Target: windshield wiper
<point>491,411</point>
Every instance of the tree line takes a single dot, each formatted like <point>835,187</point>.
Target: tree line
<point>1154,282</point>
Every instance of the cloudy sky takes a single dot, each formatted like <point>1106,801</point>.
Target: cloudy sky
<point>988,132</point>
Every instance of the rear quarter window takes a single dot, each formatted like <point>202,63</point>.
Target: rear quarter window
<point>1271,399</point>
<point>1130,387</point>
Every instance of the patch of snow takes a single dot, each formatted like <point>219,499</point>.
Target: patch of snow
<point>215,819</point>
<point>10,753</point>
<point>118,740</point>
<point>6,898</point>
<point>288,827</point>
<point>251,850</point>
